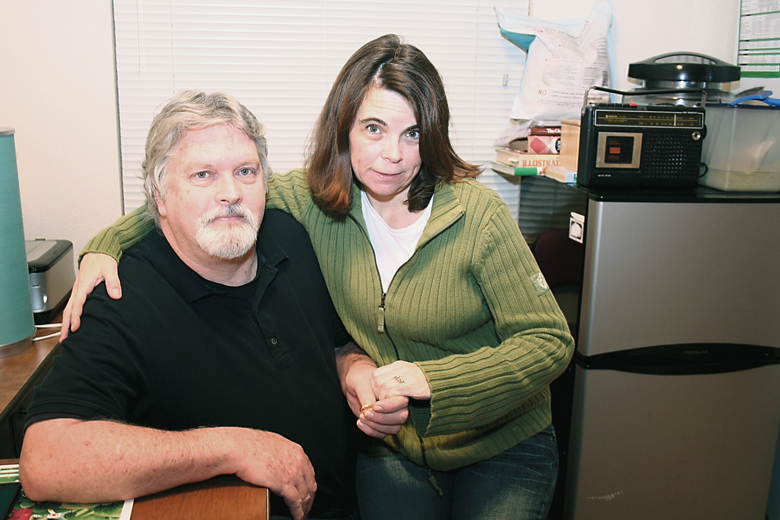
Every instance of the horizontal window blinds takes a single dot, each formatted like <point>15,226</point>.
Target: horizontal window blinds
<point>547,204</point>
<point>279,58</point>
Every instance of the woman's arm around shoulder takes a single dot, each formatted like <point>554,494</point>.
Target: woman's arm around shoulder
<point>121,235</point>
<point>98,262</point>
<point>289,192</point>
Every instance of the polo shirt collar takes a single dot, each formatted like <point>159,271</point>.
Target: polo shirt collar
<point>191,286</point>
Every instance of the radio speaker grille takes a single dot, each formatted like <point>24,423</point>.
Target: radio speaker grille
<point>668,156</point>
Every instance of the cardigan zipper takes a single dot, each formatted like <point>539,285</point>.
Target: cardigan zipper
<point>380,315</point>
<point>431,476</point>
<point>380,311</point>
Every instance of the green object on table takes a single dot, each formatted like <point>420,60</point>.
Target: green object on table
<point>17,326</point>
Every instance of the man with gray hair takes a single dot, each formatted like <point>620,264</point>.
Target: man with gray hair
<point>219,358</point>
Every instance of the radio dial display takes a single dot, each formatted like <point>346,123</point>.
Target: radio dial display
<point>648,118</point>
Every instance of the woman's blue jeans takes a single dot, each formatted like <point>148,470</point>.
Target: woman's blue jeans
<point>515,484</point>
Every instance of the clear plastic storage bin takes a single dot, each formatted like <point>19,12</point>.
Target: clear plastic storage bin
<point>742,148</point>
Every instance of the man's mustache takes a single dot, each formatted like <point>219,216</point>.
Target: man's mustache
<point>227,211</point>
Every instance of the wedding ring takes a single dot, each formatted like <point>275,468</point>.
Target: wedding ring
<point>399,379</point>
<point>366,407</point>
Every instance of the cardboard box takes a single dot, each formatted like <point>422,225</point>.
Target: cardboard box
<point>570,143</point>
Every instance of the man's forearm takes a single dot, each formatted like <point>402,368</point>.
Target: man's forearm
<point>99,461</point>
<point>348,356</point>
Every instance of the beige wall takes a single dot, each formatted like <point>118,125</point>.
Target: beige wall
<point>57,89</point>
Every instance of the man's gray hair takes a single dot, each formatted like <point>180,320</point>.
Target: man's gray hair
<point>192,110</point>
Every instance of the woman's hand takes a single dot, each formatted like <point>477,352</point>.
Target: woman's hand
<point>392,385</point>
<point>94,268</point>
<point>376,418</point>
<point>400,378</point>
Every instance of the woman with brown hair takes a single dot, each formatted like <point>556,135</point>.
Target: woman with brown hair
<point>432,278</point>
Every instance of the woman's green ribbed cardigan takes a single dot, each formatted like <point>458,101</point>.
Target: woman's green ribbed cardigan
<point>470,308</point>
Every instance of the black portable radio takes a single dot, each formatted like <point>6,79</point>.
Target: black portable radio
<point>640,145</point>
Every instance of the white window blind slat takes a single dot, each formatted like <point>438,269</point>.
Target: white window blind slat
<point>280,58</point>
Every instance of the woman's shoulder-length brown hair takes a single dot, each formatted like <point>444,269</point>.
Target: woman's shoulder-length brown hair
<point>388,63</point>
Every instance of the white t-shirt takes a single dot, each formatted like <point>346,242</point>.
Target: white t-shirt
<point>392,247</point>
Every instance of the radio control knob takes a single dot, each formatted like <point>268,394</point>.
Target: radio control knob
<point>696,135</point>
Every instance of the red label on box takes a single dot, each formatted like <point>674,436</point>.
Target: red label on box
<point>549,144</point>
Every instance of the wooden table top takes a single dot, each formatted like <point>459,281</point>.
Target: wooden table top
<point>221,498</point>
<point>17,371</point>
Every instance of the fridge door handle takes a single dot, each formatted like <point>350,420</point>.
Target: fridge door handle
<point>683,359</point>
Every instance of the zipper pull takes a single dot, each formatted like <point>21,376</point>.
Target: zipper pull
<point>434,482</point>
<point>380,316</point>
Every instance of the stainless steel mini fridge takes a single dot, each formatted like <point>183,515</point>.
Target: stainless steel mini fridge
<point>676,402</point>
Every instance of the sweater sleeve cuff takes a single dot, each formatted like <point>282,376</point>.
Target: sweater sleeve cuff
<point>104,244</point>
<point>420,411</point>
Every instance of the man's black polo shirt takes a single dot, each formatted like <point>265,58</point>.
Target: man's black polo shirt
<point>179,352</point>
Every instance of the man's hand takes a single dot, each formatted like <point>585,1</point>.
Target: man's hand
<point>270,460</point>
<point>376,417</point>
<point>94,268</point>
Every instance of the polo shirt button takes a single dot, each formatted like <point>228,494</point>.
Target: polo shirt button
<point>273,341</point>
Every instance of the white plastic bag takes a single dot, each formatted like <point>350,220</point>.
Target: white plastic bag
<point>565,58</point>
